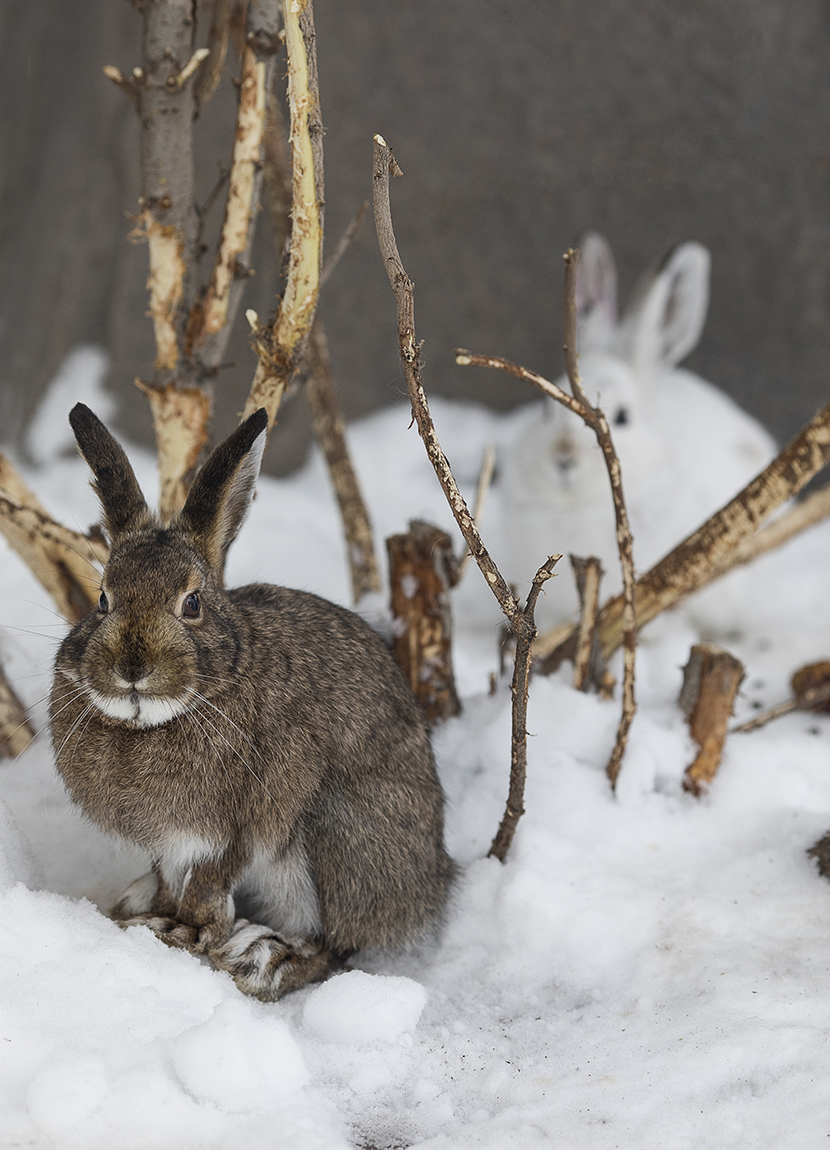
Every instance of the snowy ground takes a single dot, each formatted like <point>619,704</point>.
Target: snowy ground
<point>646,971</point>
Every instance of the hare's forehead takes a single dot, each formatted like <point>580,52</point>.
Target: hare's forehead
<point>159,561</point>
<point>608,377</point>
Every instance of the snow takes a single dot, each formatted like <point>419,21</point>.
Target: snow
<point>647,970</point>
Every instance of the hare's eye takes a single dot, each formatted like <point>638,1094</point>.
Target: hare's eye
<point>103,603</point>
<point>192,606</point>
<point>621,416</point>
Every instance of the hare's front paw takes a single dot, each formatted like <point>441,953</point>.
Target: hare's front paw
<point>266,966</point>
<point>173,932</point>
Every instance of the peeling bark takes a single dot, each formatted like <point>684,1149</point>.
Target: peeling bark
<point>281,347</point>
<point>422,569</point>
<point>181,416</point>
<point>239,210</point>
<point>66,563</point>
<point>589,665</point>
<point>16,732</point>
<point>711,680</point>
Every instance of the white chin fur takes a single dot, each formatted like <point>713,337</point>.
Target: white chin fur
<point>140,710</point>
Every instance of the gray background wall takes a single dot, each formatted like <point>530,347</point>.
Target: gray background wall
<point>517,126</point>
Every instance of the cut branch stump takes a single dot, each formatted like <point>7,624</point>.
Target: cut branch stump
<point>589,664</point>
<point>422,569</point>
<point>711,680</point>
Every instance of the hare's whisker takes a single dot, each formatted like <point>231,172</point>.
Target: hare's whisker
<point>42,606</point>
<point>228,719</point>
<point>29,631</point>
<point>193,717</point>
<point>233,748</point>
<point>88,710</point>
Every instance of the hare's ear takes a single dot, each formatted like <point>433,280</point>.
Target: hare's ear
<point>223,489</point>
<point>668,312</point>
<point>115,483</point>
<point>596,293</point>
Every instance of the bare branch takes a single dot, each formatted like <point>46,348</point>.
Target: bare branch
<point>281,349</point>
<point>518,743</point>
<point>16,732</point>
<point>521,620</point>
<point>811,692</point>
<point>169,216</point>
<point>343,244</point>
<point>805,514</point>
<point>237,226</point>
<point>571,260</point>
<point>169,220</point>
<point>178,82</point>
<point>594,418</point>
<point>63,561</point>
<point>330,434</point>
<point>383,167</point>
<point>231,268</point>
<point>209,76</point>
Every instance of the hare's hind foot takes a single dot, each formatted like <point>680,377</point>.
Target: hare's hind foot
<point>267,966</point>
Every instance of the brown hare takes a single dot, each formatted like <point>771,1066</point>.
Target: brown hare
<point>260,744</point>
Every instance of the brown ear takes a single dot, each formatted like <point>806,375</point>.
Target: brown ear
<point>115,483</point>
<point>223,489</point>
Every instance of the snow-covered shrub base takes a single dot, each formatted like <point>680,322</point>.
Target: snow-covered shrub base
<point>646,971</point>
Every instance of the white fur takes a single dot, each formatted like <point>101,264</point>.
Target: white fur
<point>555,489</point>
<point>283,890</point>
<point>178,854</point>
<point>139,710</point>
<point>138,897</point>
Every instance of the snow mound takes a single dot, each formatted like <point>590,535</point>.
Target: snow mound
<point>360,1008</point>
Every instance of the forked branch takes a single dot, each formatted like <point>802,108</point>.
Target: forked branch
<point>521,620</point>
<point>594,418</point>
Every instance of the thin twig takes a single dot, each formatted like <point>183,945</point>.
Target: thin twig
<point>521,620</point>
<point>331,436</point>
<point>127,84</point>
<point>485,479</point>
<point>343,244</point>
<point>209,76</point>
<point>518,741</point>
<point>594,418</point>
<point>384,166</point>
<point>765,717</point>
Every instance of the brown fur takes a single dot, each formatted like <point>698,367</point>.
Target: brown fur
<point>306,742</point>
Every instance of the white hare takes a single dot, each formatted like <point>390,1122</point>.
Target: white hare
<point>685,447</point>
